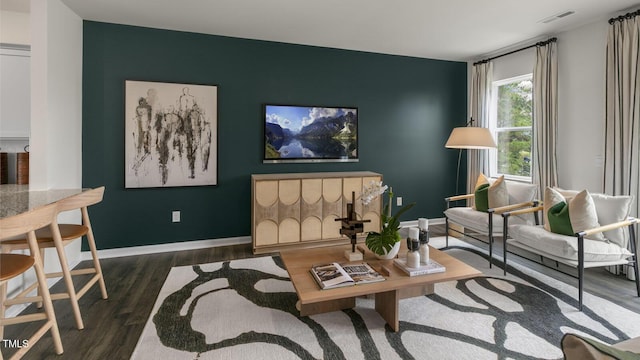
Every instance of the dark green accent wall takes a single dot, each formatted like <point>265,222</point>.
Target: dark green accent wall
<point>407,108</point>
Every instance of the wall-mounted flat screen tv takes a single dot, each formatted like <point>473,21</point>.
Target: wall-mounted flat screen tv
<point>310,134</point>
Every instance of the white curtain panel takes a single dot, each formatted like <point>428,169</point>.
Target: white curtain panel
<point>621,170</point>
<point>622,123</point>
<point>481,79</point>
<point>545,116</point>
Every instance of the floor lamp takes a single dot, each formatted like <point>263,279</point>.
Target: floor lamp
<point>469,137</point>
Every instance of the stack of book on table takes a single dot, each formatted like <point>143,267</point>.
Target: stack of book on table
<point>431,268</point>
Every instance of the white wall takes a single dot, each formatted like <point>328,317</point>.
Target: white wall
<point>56,96</point>
<point>14,28</point>
<point>55,159</point>
<point>581,109</point>
<point>517,64</point>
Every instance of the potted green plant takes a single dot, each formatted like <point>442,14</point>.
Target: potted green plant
<point>386,243</point>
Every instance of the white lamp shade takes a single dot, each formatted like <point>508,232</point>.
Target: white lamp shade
<point>470,138</point>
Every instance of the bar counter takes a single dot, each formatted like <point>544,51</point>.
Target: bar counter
<point>16,199</point>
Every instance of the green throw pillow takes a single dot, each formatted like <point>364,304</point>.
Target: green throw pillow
<point>559,221</point>
<point>482,197</point>
<point>568,216</point>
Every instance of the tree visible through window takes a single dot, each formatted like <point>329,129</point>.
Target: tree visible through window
<point>511,122</point>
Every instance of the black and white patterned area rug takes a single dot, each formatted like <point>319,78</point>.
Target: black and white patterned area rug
<point>245,309</point>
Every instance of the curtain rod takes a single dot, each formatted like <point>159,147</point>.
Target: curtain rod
<point>540,43</point>
<point>626,16</point>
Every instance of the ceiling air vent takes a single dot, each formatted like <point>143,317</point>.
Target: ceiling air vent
<point>557,16</point>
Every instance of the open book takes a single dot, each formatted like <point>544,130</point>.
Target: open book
<point>333,275</point>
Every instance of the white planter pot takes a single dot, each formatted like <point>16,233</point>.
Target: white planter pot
<point>391,254</point>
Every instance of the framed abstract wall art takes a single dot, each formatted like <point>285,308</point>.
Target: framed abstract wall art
<point>170,134</point>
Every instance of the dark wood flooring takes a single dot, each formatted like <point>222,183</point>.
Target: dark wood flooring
<point>113,326</point>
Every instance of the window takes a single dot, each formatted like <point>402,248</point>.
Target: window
<point>511,125</point>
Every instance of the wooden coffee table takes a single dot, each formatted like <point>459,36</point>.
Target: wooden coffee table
<point>388,293</point>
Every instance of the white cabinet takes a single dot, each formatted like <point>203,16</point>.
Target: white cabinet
<point>15,92</point>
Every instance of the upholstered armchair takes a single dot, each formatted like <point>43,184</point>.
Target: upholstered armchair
<point>577,347</point>
<point>491,198</point>
<point>581,230</point>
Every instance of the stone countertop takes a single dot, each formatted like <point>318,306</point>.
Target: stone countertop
<point>17,199</point>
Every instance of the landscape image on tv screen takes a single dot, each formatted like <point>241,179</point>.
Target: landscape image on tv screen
<point>307,133</point>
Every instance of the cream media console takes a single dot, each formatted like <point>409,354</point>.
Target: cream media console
<point>299,210</point>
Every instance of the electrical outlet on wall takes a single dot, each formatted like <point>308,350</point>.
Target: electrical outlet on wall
<point>399,201</point>
<point>175,216</point>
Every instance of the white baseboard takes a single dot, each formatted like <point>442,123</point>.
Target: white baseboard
<point>412,223</point>
<point>198,244</point>
<point>161,248</point>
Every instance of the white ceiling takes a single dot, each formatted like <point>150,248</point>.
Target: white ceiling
<point>450,30</point>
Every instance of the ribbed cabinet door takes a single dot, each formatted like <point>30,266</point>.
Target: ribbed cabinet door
<point>351,186</point>
<point>311,209</point>
<point>331,207</point>
<point>289,211</point>
<point>265,210</point>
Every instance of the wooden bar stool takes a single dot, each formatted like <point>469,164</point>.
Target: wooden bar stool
<point>12,265</point>
<point>62,235</point>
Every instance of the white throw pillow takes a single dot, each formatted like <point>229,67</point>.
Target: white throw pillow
<point>583,214</point>
<point>498,194</point>
<point>612,209</point>
<point>521,192</point>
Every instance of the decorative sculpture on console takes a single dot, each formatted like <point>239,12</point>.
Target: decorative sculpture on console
<point>351,227</point>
